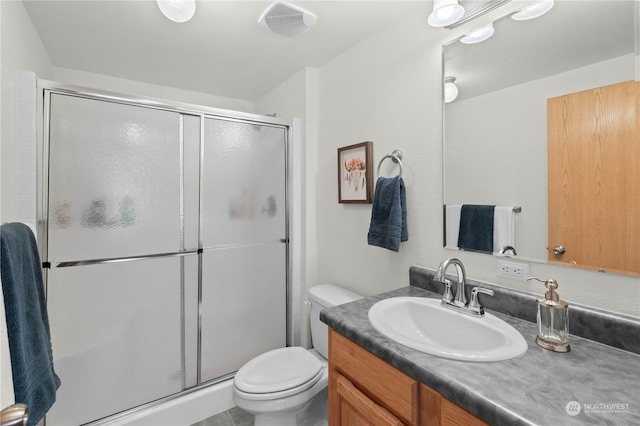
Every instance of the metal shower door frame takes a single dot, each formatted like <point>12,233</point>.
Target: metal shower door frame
<point>46,88</point>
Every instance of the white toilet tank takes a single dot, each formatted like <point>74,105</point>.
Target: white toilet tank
<point>322,297</point>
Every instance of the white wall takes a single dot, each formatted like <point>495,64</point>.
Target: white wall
<point>384,90</point>
<point>20,49</point>
<point>139,88</point>
<point>387,89</point>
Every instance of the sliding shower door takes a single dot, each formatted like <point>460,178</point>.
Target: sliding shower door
<point>167,249</point>
<point>123,214</point>
<point>244,238</point>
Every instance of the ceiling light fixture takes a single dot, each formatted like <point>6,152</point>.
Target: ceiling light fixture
<point>177,10</point>
<point>450,90</point>
<point>534,10</point>
<point>445,12</point>
<point>479,35</point>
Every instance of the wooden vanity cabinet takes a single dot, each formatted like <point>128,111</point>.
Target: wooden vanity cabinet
<point>364,390</point>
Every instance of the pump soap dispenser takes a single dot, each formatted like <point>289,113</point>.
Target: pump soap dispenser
<point>553,319</point>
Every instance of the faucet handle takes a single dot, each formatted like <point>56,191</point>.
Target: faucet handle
<point>447,296</point>
<point>474,304</point>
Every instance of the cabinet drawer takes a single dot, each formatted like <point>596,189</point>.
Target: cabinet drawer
<point>380,381</point>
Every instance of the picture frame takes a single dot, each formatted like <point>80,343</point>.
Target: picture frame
<point>355,173</point>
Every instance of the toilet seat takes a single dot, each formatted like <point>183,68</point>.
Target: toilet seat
<point>278,373</point>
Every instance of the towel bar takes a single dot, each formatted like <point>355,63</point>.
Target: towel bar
<point>396,157</point>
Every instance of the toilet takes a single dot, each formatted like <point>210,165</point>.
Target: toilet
<point>288,386</point>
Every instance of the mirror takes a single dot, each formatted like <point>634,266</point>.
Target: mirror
<point>495,131</point>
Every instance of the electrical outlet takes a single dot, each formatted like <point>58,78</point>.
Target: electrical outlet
<point>513,270</point>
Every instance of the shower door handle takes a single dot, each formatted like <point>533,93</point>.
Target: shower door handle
<point>14,415</point>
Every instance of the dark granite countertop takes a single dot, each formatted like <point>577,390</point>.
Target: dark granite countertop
<point>535,389</point>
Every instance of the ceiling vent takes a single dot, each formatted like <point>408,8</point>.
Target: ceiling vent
<point>286,19</point>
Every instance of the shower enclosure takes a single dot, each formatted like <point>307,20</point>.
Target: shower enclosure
<point>166,243</point>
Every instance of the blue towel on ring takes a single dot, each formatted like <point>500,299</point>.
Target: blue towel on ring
<point>34,379</point>
<point>388,226</point>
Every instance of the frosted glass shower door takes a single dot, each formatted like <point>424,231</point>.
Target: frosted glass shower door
<point>116,335</point>
<point>122,291</point>
<point>114,180</point>
<point>244,278</point>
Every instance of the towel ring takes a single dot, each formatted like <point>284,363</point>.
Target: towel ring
<point>396,157</point>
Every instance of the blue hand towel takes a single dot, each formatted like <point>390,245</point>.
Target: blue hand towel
<point>389,214</point>
<point>476,228</point>
<point>34,379</point>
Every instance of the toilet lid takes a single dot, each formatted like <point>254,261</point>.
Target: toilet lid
<point>278,370</point>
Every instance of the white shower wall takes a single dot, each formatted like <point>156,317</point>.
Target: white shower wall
<point>21,50</point>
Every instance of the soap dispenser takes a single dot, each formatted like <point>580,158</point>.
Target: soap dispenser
<point>553,319</point>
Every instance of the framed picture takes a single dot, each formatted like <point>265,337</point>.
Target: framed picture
<point>355,173</point>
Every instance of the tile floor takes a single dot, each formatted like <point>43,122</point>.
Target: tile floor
<point>233,417</point>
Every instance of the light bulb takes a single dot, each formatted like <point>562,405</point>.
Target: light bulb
<point>177,10</point>
<point>479,35</point>
<point>534,10</point>
<point>445,12</point>
<point>450,90</point>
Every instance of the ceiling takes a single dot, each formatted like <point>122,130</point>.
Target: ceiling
<point>572,34</point>
<point>222,50</point>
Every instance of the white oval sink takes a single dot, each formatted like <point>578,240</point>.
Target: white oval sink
<point>422,324</point>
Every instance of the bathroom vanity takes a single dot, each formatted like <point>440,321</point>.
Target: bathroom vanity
<point>364,388</point>
<point>375,380</point>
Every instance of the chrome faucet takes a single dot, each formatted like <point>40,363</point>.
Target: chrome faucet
<point>461,298</point>
<point>459,303</point>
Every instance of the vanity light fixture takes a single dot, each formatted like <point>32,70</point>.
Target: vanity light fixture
<point>445,12</point>
<point>539,8</point>
<point>478,35</point>
<point>450,90</point>
<point>177,10</point>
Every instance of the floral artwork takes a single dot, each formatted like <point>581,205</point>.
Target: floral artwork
<point>354,173</point>
<point>355,176</point>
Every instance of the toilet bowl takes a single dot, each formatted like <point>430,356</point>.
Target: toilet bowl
<point>288,386</point>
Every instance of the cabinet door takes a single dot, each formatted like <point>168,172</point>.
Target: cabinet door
<point>390,386</point>
<point>355,408</point>
<point>438,411</point>
<point>594,184</point>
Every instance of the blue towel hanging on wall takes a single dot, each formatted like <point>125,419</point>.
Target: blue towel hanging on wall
<point>388,226</point>
<point>34,379</point>
<point>476,228</point>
